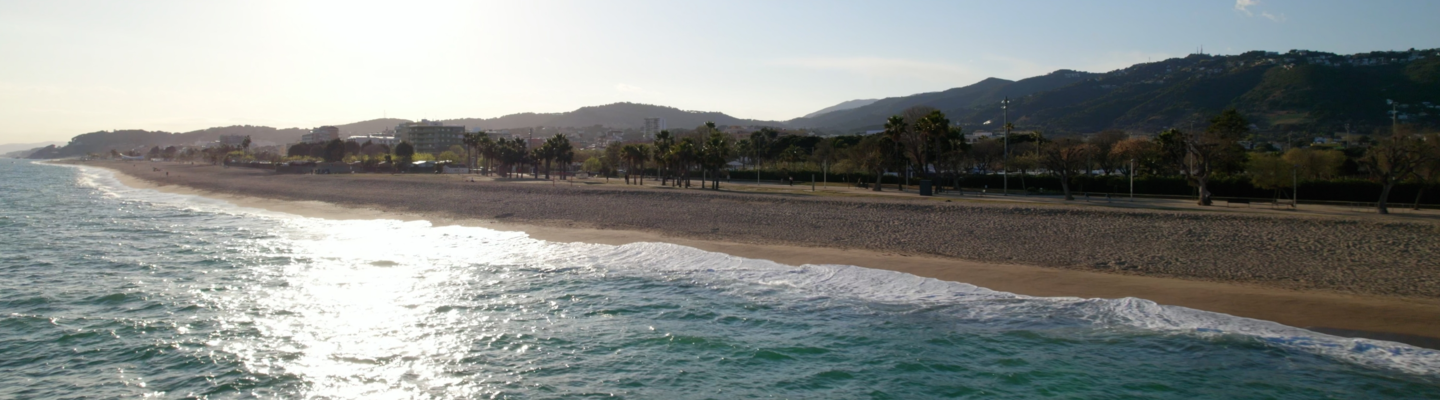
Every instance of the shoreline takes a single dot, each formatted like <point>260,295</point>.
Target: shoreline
<point>1409,320</point>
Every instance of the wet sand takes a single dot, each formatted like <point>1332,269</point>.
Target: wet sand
<point>1351,277</point>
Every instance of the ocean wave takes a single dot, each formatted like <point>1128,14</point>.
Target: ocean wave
<point>421,242</point>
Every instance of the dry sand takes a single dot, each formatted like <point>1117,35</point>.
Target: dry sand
<point>1353,277</point>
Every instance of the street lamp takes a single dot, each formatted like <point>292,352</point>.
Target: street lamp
<point>1005,163</point>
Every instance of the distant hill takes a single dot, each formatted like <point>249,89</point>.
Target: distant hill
<point>23,149</point>
<point>1302,91</point>
<point>617,115</point>
<point>367,127</point>
<point>959,100</point>
<point>842,106</point>
<point>1298,91</point>
<point>104,141</point>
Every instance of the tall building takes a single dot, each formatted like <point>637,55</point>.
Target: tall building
<point>321,135</point>
<point>430,136</point>
<point>653,126</point>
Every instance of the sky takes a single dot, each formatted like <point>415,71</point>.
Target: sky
<point>71,67</point>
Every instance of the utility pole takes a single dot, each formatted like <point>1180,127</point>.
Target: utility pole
<point>1394,116</point>
<point>1005,163</point>
<point>1132,180</point>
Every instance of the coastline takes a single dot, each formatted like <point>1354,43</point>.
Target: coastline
<point>1405,319</point>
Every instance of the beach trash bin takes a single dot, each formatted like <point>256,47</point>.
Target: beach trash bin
<point>925,188</point>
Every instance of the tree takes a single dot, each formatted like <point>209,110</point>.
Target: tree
<point>761,142</point>
<point>635,155</point>
<point>351,148</point>
<point>563,152</point>
<point>611,158</point>
<point>334,150</point>
<point>952,151</point>
<point>663,142</point>
<point>1393,159</point>
<point>1105,144</point>
<point>685,154</point>
<point>717,153</point>
<point>1066,157</point>
<point>1139,151</point>
<point>1024,163</point>
<point>1207,152</point>
<point>404,152</point>
<point>824,153</point>
<point>1313,164</point>
<point>896,129</point>
<point>448,155</point>
<point>1427,174</point>
<point>1270,171</point>
<point>472,144</point>
<point>928,131</point>
<point>487,149</point>
<point>871,155</point>
<point>245,144</point>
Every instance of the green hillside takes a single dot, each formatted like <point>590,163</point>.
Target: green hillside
<point>1296,91</point>
<point>962,99</point>
<point>617,115</point>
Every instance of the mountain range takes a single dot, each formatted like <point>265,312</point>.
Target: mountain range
<point>842,106</point>
<point>1297,91</point>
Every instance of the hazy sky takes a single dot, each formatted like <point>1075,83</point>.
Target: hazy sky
<point>71,67</point>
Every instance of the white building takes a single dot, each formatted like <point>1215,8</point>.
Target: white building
<point>321,135</point>
<point>376,139</point>
<point>653,126</point>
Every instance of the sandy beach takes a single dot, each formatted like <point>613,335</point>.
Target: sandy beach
<point>1375,278</point>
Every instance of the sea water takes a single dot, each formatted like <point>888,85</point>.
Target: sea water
<point>113,292</point>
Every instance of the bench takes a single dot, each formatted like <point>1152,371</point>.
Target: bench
<point>1246,202</point>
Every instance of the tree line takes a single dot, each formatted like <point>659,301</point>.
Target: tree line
<point>922,143</point>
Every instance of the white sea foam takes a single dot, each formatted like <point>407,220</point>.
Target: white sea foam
<point>399,243</point>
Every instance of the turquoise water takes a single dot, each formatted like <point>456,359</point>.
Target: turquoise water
<point>109,292</point>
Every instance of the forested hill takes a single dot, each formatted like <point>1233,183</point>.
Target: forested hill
<point>985,93</point>
<point>1302,91</point>
<point>1296,91</point>
<point>618,115</point>
<point>104,141</point>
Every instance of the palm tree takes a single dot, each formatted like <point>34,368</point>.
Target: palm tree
<point>744,147</point>
<point>486,148</point>
<point>684,155</point>
<point>562,152</point>
<point>895,130</point>
<point>635,156</point>
<point>663,143</point>
<point>717,153</point>
<point>472,142</point>
<point>931,130</point>
<point>538,156</point>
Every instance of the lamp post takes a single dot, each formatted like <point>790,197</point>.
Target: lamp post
<point>1394,115</point>
<point>1005,160</point>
